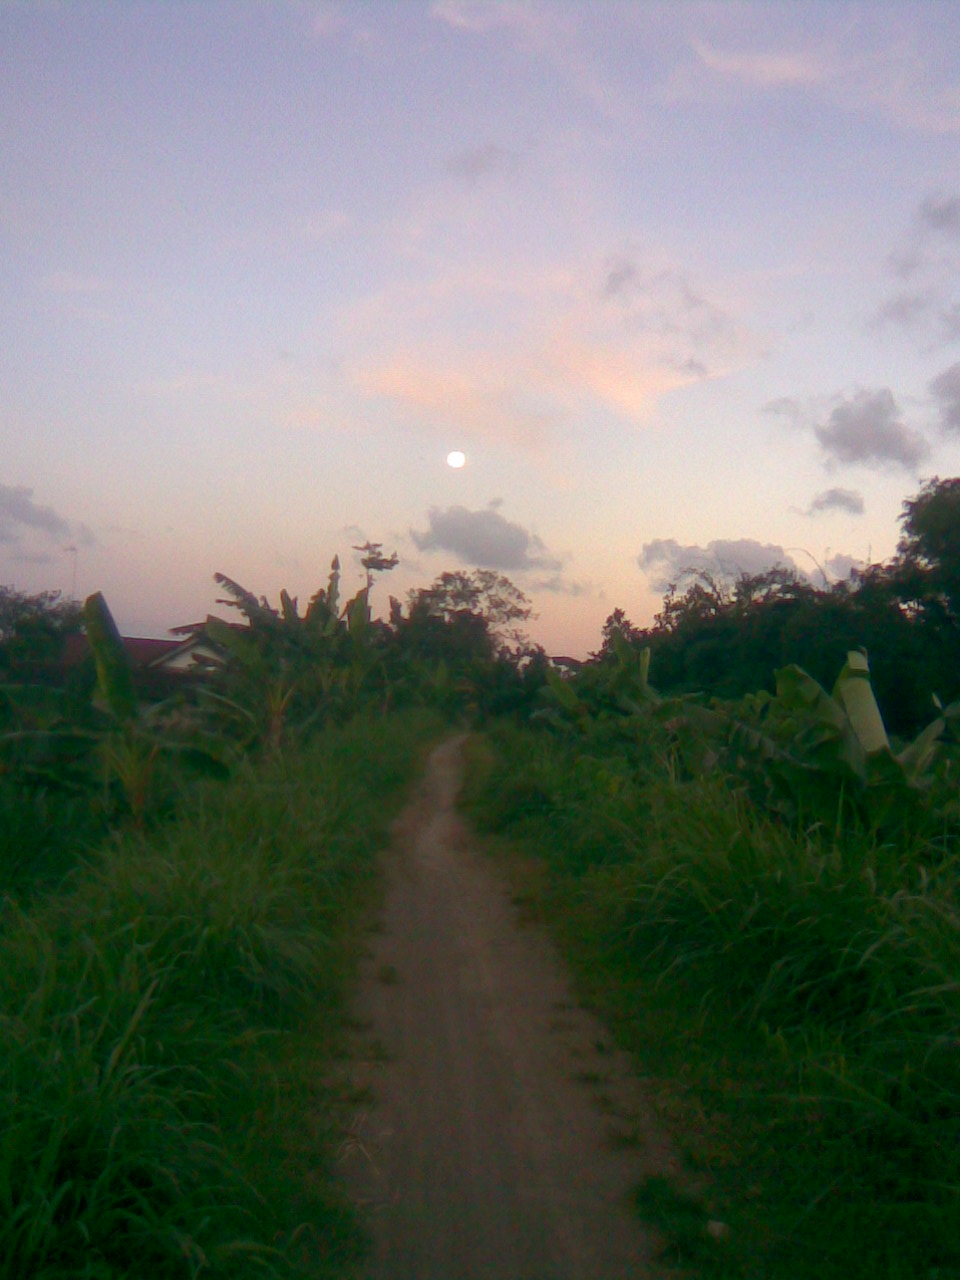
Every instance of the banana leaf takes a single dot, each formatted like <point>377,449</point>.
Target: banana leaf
<point>114,672</point>
<point>854,692</point>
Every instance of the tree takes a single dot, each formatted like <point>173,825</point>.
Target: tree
<point>483,601</point>
<point>33,627</point>
<point>618,623</point>
<point>928,566</point>
<point>374,561</point>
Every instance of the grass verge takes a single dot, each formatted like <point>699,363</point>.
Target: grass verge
<point>794,998</point>
<point>163,1020</point>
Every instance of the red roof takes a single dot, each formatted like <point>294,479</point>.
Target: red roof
<point>142,650</point>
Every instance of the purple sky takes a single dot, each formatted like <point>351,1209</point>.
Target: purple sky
<point>680,280</point>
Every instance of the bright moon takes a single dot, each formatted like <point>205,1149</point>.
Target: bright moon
<point>456,459</point>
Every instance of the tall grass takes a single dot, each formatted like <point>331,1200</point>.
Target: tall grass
<point>820,977</point>
<point>146,1011</point>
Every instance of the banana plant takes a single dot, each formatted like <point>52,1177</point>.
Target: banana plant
<point>285,668</point>
<point>135,739</point>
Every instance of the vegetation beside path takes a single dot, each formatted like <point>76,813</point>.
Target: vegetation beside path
<point>164,1016</point>
<point>790,988</point>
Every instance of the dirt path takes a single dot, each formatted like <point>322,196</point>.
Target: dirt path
<point>502,1132</point>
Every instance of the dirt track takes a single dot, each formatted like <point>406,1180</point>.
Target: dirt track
<point>502,1133</point>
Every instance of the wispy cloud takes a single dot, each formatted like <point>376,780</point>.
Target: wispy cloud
<point>945,389</point>
<point>941,214</point>
<point>858,63</point>
<point>556,584</point>
<point>19,512</point>
<point>928,255</point>
<point>512,356</point>
<point>481,16</point>
<point>767,69</point>
<point>905,309</point>
<point>478,162</point>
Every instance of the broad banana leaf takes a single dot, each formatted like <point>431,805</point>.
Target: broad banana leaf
<point>357,613</point>
<point>114,672</point>
<point>323,608</point>
<point>855,693</point>
<point>289,606</point>
<point>235,641</point>
<point>244,600</point>
<point>821,720</point>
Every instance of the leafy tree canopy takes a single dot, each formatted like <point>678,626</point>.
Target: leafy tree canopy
<point>32,627</point>
<point>487,600</point>
<point>929,547</point>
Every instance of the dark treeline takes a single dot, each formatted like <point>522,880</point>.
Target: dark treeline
<point>729,641</point>
<point>86,746</point>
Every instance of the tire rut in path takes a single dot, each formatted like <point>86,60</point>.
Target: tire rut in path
<point>503,1133</point>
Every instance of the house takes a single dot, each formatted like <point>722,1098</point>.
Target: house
<point>566,666</point>
<point>159,666</point>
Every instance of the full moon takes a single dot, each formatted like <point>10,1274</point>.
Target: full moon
<point>456,459</point>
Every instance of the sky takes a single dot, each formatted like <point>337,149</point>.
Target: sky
<point>679,280</point>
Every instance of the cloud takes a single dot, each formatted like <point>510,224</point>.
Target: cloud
<point>764,70</point>
<point>855,62</point>
<point>905,309</point>
<point>941,214</point>
<point>663,301</point>
<point>788,407</point>
<point>484,538</point>
<point>621,278</point>
<point>477,162</point>
<point>841,566</point>
<point>905,262</point>
<point>665,561</point>
<point>950,324</point>
<point>32,557</point>
<point>945,389</point>
<point>929,253</point>
<point>19,512</point>
<point>480,16</point>
<point>516,354</point>
<point>836,500</point>
<point>556,584</point>
<point>867,428</point>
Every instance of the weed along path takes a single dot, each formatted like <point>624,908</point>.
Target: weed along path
<point>497,1132</point>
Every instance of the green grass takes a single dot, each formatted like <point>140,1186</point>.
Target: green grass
<point>165,1019</point>
<point>796,996</point>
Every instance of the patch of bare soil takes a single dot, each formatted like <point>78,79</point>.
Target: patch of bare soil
<point>497,1133</point>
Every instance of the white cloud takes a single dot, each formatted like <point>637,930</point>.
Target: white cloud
<point>666,561</point>
<point>766,69</point>
<point>841,566</point>
<point>481,16</point>
<point>868,65</point>
<point>514,354</point>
